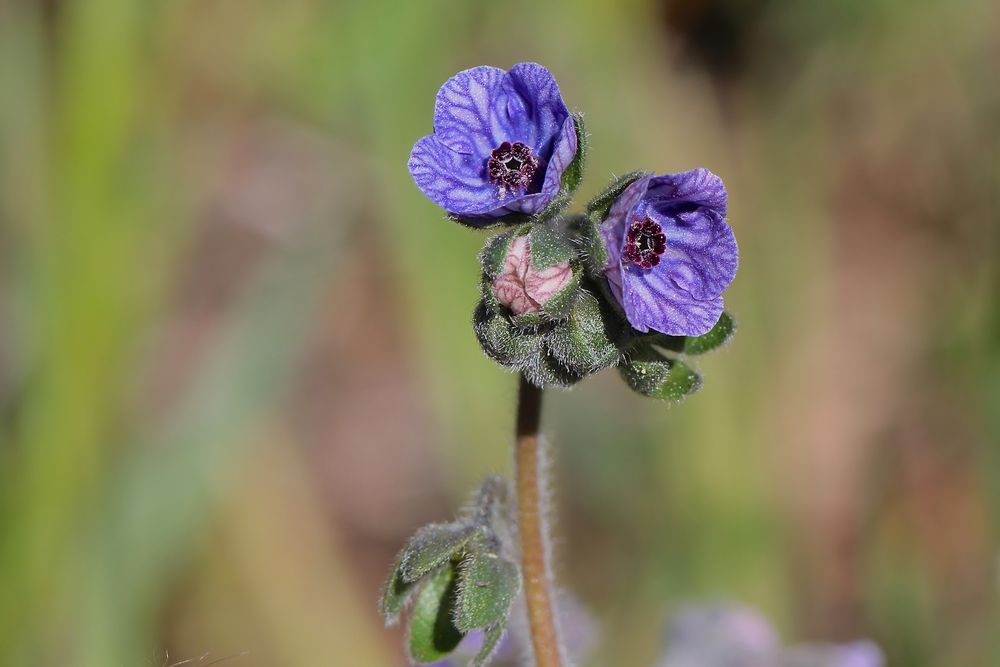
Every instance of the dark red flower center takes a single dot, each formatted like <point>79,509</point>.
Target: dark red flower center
<point>512,166</point>
<point>644,243</point>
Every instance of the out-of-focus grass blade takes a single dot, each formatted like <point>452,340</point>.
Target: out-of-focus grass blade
<point>166,489</point>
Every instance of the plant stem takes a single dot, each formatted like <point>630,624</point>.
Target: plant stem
<point>531,528</point>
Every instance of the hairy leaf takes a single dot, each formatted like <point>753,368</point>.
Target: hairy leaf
<point>487,586</point>
<point>652,374</point>
<point>719,335</point>
<point>491,639</point>
<point>431,546</point>
<point>396,594</point>
<point>433,634</point>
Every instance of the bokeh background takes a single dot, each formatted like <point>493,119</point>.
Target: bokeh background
<point>237,368</point>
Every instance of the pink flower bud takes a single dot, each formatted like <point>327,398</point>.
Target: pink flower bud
<point>523,288</point>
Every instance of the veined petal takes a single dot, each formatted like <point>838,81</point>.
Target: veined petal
<point>698,186</point>
<point>701,256</point>
<point>464,108</point>
<point>653,301</point>
<point>523,288</point>
<point>541,285</point>
<point>529,108</point>
<point>563,153</point>
<point>450,179</point>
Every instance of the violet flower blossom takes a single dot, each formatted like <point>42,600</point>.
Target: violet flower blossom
<point>501,143</point>
<point>671,254</point>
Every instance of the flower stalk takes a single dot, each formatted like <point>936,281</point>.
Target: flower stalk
<point>531,528</point>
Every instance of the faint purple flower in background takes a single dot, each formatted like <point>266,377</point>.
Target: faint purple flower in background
<point>671,254</point>
<point>728,635</point>
<point>501,143</point>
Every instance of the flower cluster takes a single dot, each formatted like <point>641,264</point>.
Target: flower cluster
<point>635,282</point>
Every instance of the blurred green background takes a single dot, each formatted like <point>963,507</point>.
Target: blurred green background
<point>237,368</point>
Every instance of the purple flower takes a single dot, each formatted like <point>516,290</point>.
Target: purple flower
<point>671,254</point>
<point>501,143</point>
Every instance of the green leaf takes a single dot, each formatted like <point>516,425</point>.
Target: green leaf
<point>431,546</point>
<point>600,204</point>
<point>433,634</point>
<point>487,586</point>
<point>491,638</point>
<point>651,374</point>
<point>395,594</point>
<point>581,342</point>
<point>719,335</point>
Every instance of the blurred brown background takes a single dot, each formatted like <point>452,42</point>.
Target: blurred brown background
<point>237,368</point>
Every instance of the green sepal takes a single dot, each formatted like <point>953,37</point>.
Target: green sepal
<point>581,343</point>
<point>487,586</point>
<point>720,334</point>
<point>493,254</point>
<point>592,249</point>
<point>508,345</point>
<point>571,177</point>
<point>522,348</point>
<point>560,305</point>
<point>480,224</point>
<point>396,593</point>
<point>529,322</point>
<point>432,546</point>
<point>544,370</point>
<point>548,247</point>
<point>432,633</point>
<point>601,204</point>
<point>491,639</point>
<point>652,374</point>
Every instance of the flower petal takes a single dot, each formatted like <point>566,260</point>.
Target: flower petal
<point>464,109</point>
<point>543,284</point>
<point>529,108</point>
<point>698,186</point>
<point>450,179</point>
<point>563,153</point>
<point>701,256</point>
<point>652,301</point>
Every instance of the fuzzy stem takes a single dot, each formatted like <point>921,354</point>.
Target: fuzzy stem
<point>531,527</point>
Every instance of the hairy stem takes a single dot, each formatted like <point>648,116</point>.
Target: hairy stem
<point>531,528</point>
